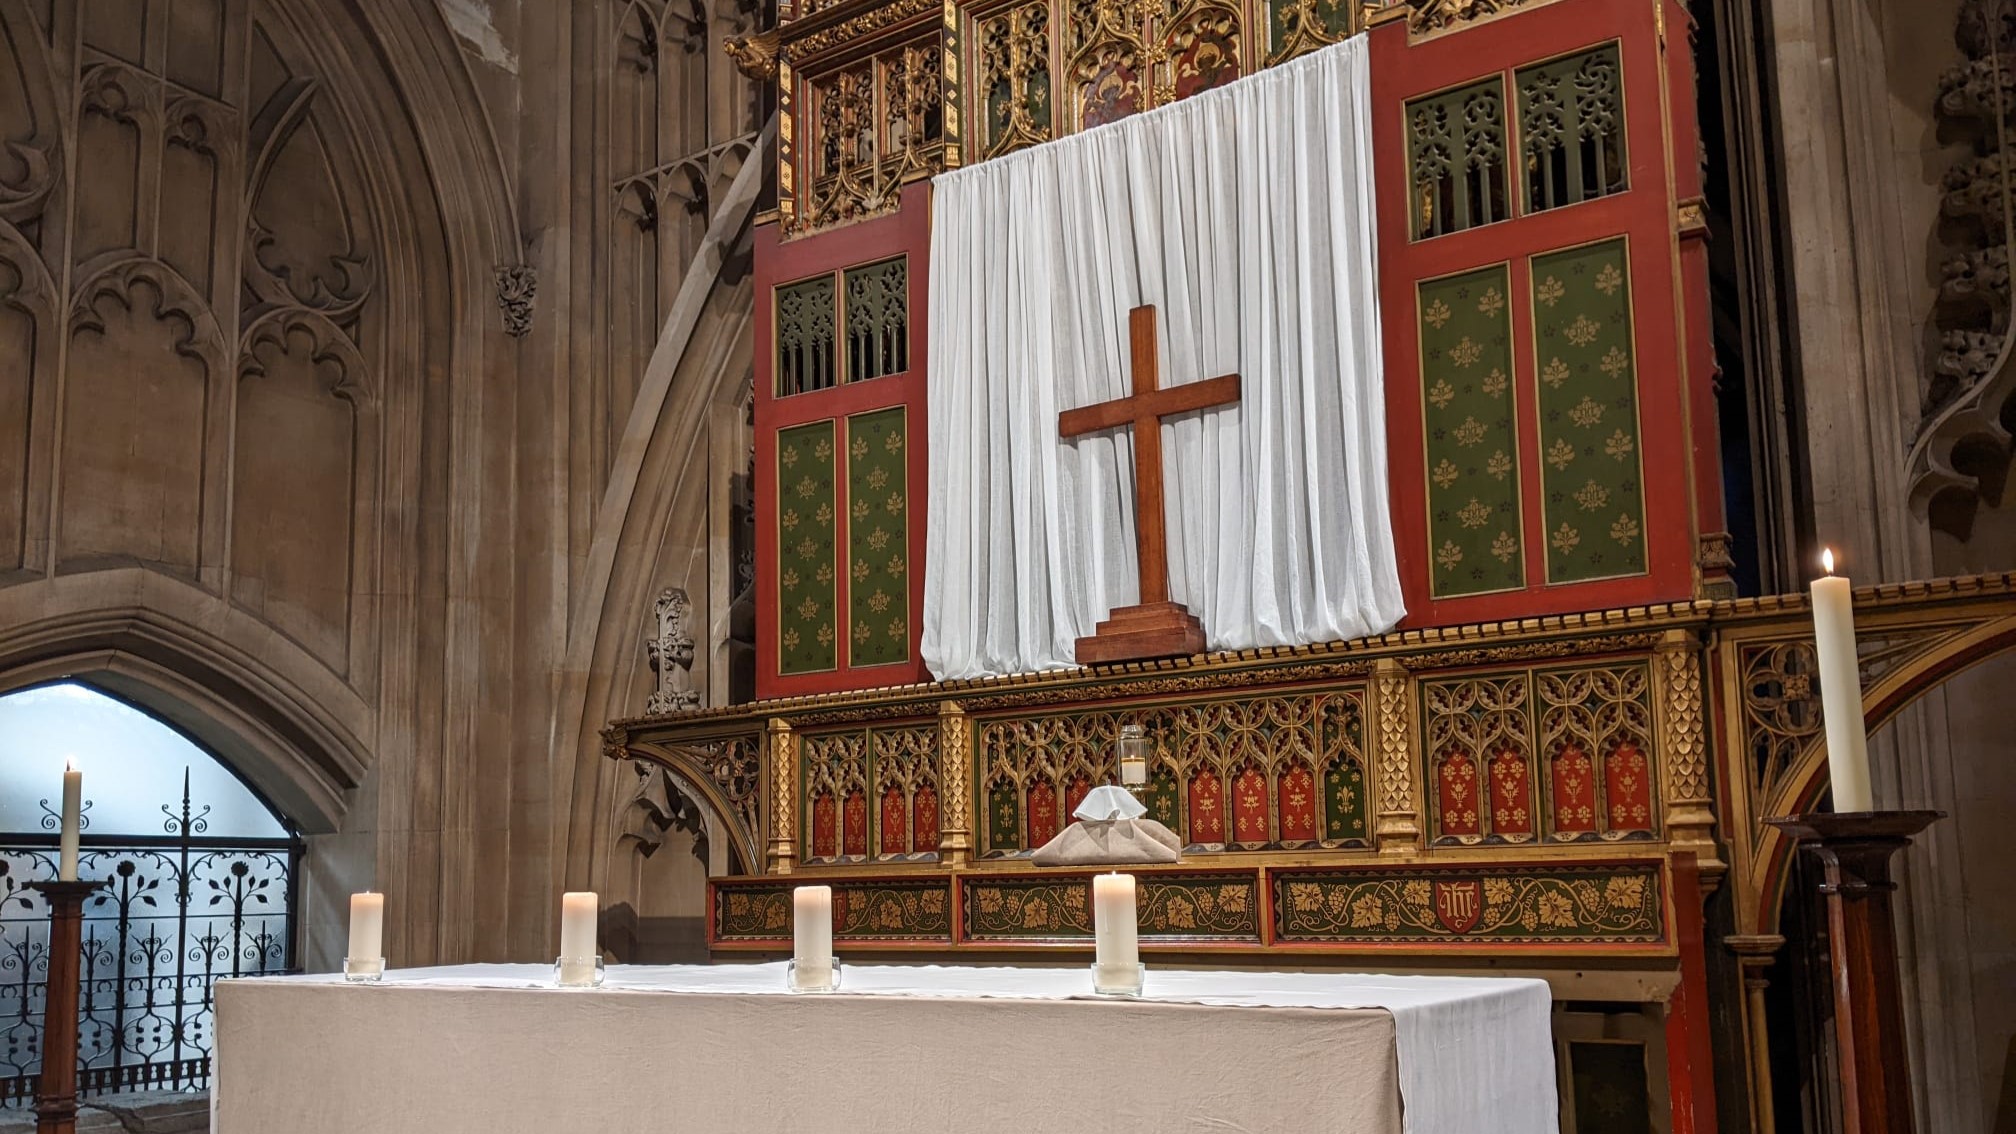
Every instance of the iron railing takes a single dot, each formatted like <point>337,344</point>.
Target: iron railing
<point>179,912</point>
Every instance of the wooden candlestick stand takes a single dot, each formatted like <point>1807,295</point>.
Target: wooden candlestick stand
<point>56,1091</point>
<point>1855,851</point>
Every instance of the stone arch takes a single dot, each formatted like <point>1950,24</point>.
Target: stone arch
<point>1882,701</point>
<point>279,717</point>
<point>698,367</point>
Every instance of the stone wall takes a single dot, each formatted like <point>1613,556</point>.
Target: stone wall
<point>366,372</point>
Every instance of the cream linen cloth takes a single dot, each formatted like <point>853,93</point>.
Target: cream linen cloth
<point>724,1049</point>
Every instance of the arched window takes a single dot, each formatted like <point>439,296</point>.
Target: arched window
<point>199,880</point>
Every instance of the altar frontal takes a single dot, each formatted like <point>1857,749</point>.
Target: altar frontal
<point>494,1049</point>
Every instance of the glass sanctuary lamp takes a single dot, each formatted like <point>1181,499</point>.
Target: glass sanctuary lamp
<point>1132,749</point>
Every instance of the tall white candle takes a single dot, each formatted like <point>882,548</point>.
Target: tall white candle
<point>1841,690</point>
<point>578,948</point>
<point>1115,938</point>
<point>73,822</point>
<point>367,928</point>
<point>812,932</point>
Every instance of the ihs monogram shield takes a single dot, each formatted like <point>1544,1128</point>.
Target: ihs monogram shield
<point>1458,905</point>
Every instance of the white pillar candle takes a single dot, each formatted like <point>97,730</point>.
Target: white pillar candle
<point>73,822</point>
<point>812,932</point>
<point>1841,690</point>
<point>1115,938</point>
<point>367,928</point>
<point>578,948</point>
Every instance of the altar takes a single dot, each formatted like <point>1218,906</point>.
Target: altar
<point>724,1049</point>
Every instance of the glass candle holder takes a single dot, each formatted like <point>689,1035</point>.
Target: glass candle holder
<point>1123,981</point>
<point>577,972</point>
<point>812,978</point>
<point>363,972</point>
<point>1132,749</point>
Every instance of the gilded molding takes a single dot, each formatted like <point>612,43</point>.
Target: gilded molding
<point>795,48</point>
<point>1399,830</point>
<point>1683,728</point>
<point>783,748</point>
<point>955,780</point>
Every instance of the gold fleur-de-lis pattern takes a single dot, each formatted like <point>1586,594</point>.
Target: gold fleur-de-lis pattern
<point>1469,414</point>
<point>807,602</point>
<point>878,598</point>
<point>1591,479</point>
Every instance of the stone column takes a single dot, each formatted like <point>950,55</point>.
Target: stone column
<point>783,746</point>
<point>1399,829</point>
<point>955,784</point>
<point>1683,739</point>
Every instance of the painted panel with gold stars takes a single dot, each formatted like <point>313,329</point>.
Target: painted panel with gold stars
<point>1474,537</point>
<point>808,637</point>
<point>1592,496</point>
<point>878,538</point>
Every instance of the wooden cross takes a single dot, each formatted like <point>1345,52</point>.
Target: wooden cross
<point>1156,627</point>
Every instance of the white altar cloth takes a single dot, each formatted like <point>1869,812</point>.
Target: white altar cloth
<point>721,1049</point>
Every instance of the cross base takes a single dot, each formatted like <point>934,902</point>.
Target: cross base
<point>1151,630</point>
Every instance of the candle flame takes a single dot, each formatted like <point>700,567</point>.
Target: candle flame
<point>69,763</point>
<point>1827,559</point>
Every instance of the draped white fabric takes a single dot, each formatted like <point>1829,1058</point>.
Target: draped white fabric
<point>1245,214</point>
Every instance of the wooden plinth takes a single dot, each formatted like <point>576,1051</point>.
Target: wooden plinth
<point>1152,630</point>
<point>56,1090</point>
<point>1855,851</point>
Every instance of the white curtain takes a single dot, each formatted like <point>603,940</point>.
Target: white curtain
<point>1244,214</point>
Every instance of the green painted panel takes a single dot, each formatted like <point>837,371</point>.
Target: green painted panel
<point>878,538</point>
<point>807,587</point>
<point>1004,817</point>
<point>1592,497</point>
<point>1343,801</point>
<point>1472,439</point>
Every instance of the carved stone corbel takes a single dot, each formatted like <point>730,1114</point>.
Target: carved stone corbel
<point>754,55</point>
<point>670,653</point>
<point>782,745</point>
<point>1683,738</point>
<point>1399,830</point>
<point>955,784</point>
<point>517,287</point>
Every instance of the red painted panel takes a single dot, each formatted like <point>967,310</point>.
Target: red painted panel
<point>1573,784</point>
<point>1042,813</point>
<point>895,822</point>
<point>1249,806</point>
<point>1298,803</point>
<point>1207,807</point>
<point>1627,788</point>
<point>1511,795</point>
<point>854,824</point>
<point>1457,810</point>
<point>825,827</point>
<point>924,822</point>
<point>1074,794</point>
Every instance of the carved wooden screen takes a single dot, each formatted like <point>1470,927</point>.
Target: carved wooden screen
<point>1549,409</point>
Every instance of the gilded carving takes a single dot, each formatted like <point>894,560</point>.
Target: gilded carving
<point>783,795</point>
<point>1399,818</point>
<point>1271,770</point>
<point>955,773</point>
<point>1428,16</point>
